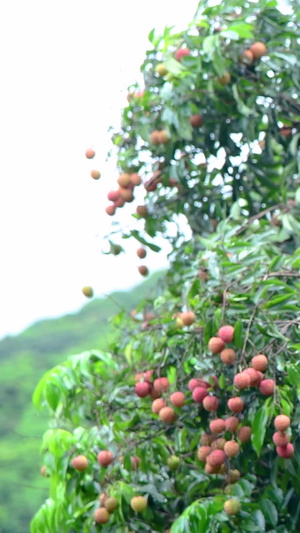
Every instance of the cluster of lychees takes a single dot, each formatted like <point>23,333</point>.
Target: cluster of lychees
<point>226,435</point>
<point>124,194</point>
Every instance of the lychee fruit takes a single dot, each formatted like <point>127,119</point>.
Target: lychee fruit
<point>216,345</point>
<point>206,439</point>
<point>199,393</point>
<point>210,403</point>
<point>111,504</point>
<point>217,426</point>
<point>267,387</point>
<point>216,458</point>
<point>90,153</point>
<point>95,174</point>
<point>241,381</point>
<point>232,507</point>
<point>253,375</point>
<point>282,422</point>
<point>226,333</point>
<point>181,52</point>
<point>285,451</point>
<point>167,415</point>
<point>231,424</point>
<point>105,458</point>
<point>157,405</point>
<point>228,356</point>
<point>244,434</point>
<point>143,270</point>
<point>101,515</point>
<point>141,253</point>
<point>88,291</point>
<point>177,399</point>
<point>218,444</point>
<point>280,438</point>
<point>188,318</point>
<point>259,362</point>
<point>235,404</point>
<point>231,448</point>
<point>142,389</point>
<point>138,504</point>
<point>161,384</point>
<point>80,462</point>
<point>258,50</point>
<point>203,452</point>
<point>196,121</point>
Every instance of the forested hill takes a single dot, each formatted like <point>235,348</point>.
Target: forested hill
<point>23,360</point>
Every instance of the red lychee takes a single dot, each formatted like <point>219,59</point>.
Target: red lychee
<point>216,458</point>
<point>244,434</point>
<point>105,457</point>
<point>228,356</point>
<point>285,451</point>
<point>241,380</point>
<point>226,333</point>
<point>142,389</point>
<point>216,345</point>
<point>267,387</point>
<point>259,362</point>
<point>210,403</point>
<point>181,52</point>
<point>157,405</point>
<point>235,404</point>
<point>280,438</point>
<point>231,424</point>
<point>217,426</point>
<point>203,452</point>
<point>167,415</point>
<point>161,384</point>
<point>231,448</point>
<point>177,399</point>
<point>282,422</point>
<point>199,393</point>
<point>80,462</point>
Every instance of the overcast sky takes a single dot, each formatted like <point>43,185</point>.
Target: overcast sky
<point>65,67</point>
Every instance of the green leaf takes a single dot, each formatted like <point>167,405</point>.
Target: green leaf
<point>242,107</point>
<point>269,510</point>
<point>238,334</point>
<point>143,241</point>
<point>259,427</point>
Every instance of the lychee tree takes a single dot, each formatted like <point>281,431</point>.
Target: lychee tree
<point>191,422</point>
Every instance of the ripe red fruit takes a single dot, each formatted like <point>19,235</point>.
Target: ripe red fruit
<point>143,270</point>
<point>167,414</point>
<point>135,179</point>
<point>226,333</point>
<point>231,448</point>
<point>267,387</point>
<point>155,137</point>
<point>135,462</point>
<point>161,384</point>
<point>181,52</point>
<point>105,458</point>
<point>241,380</point>
<point>235,404</point>
<point>90,153</point>
<point>126,194</point>
<point>203,452</point>
<point>142,211</point>
<point>253,376</point>
<point>280,438</point>
<point>228,356</point>
<point>244,434</point>
<point>282,422</point>
<point>217,426</point>
<point>113,196</point>
<point>95,174</point>
<point>285,451</point>
<point>124,180</point>
<point>259,362</point>
<point>110,210</point>
<point>216,458</point>
<point>218,444</point>
<point>206,439</point>
<point>141,253</point>
<point>101,515</point>
<point>187,318</point>
<point>247,57</point>
<point>177,399</point>
<point>157,405</point>
<point>80,462</point>
<point>119,202</point>
<point>258,50</point>
<point>199,393</point>
<point>193,383</point>
<point>210,469</point>
<point>216,345</point>
<point>142,389</point>
<point>231,424</point>
<point>210,403</point>
<point>196,121</point>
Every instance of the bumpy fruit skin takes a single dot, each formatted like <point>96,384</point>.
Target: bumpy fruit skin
<point>282,422</point>
<point>203,452</point>
<point>228,356</point>
<point>138,503</point>
<point>177,399</point>
<point>181,53</point>
<point>267,387</point>
<point>210,403</point>
<point>231,448</point>
<point>241,380</point>
<point>236,404</point>
<point>173,462</point>
<point>217,426</point>
<point>161,384</point>
<point>111,504</point>
<point>285,451</point>
<point>259,362</point>
<point>142,389</point>
<point>231,424</point>
<point>95,174</point>
<point>258,50</point>
<point>226,333</point>
<point>113,196</point>
<point>157,405</point>
<point>196,121</point>
<point>218,444</point>
<point>216,345</point>
<point>232,507</point>
<point>216,458</point>
<point>280,438</point>
<point>105,457</point>
<point>193,383</point>
<point>199,393</point>
<point>253,376</point>
<point>210,469</point>
<point>90,153</point>
<point>101,515</point>
<point>244,434</point>
<point>234,475</point>
<point>167,415</point>
<point>80,463</point>
<point>88,291</point>
<point>206,439</point>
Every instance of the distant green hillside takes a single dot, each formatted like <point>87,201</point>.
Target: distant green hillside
<point>23,360</point>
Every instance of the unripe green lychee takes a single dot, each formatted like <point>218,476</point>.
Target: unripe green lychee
<point>173,462</point>
<point>232,507</point>
<point>111,504</point>
<point>138,503</point>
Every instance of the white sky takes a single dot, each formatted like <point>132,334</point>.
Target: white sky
<point>65,67</point>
